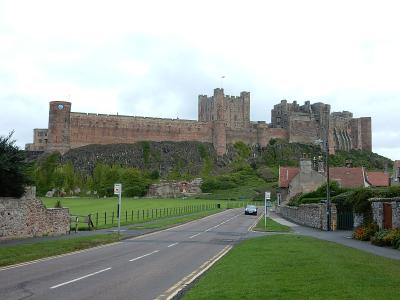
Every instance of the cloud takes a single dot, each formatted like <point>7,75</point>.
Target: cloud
<point>154,58</point>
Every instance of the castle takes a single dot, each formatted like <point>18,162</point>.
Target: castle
<point>222,120</point>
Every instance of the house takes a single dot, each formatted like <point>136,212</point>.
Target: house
<point>293,181</point>
<point>378,179</point>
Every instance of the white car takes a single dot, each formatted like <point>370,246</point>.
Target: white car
<point>250,210</point>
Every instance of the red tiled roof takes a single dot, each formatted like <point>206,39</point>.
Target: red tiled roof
<point>378,179</point>
<point>348,177</point>
<point>286,174</point>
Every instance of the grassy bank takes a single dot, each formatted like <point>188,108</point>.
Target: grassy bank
<point>271,226</point>
<point>10,255</point>
<point>297,267</point>
<point>169,222</point>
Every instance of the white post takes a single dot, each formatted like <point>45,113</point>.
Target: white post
<point>118,191</point>
<point>267,197</point>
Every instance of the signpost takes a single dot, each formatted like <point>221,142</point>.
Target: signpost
<point>267,203</point>
<point>118,191</point>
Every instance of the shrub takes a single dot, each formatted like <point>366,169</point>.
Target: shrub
<point>365,232</point>
<point>387,237</point>
<point>13,169</point>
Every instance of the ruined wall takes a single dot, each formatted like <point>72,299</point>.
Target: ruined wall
<point>308,122</point>
<point>174,189</point>
<point>311,215</point>
<point>28,217</point>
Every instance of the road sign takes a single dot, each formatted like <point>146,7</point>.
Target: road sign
<point>267,195</point>
<point>118,191</point>
<point>117,188</point>
<point>268,204</point>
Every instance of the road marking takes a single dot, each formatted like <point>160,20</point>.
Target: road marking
<point>211,228</point>
<point>255,223</point>
<point>80,278</point>
<point>136,258</point>
<point>107,245</point>
<point>179,286</point>
<point>190,237</point>
<point>174,244</point>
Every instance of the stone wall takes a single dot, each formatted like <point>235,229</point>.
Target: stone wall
<point>311,215</point>
<point>28,217</point>
<point>377,211</point>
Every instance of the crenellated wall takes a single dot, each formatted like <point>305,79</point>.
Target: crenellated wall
<point>222,120</point>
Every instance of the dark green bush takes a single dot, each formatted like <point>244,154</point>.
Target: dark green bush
<point>13,168</point>
<point>365,232</point>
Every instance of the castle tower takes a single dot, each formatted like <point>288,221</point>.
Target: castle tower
<point>59,126</point>
<point>219,127</point>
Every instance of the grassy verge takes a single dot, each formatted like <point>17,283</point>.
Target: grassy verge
<point>297,267</point>
<point>169,222</point>
<point>271,226</point>
<point>10,255</point>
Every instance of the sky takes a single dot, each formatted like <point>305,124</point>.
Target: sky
<point>153,58</point>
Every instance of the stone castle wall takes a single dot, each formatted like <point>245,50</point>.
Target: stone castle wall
<point>111,129</point>
<point>28,217</point>
<point>309,122</point>
<point>222,120</point>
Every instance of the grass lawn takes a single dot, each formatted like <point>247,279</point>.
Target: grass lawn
<point>10,255</point>
<point>169,222</point>
<point>87,205</point>
<point>271,226</point>
<point>298,267</point>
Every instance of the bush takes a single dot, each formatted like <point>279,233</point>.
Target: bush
<point>13,168</point>
<point>387,237</point>
<point>365,232</point>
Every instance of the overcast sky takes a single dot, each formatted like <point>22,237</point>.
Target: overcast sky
<point>153,58</point>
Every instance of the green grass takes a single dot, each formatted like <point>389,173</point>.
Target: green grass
<point>298,267</point>
<point>169,222</point>
<point>87,205</point>
<point>271,226</point>
<point>10,255</point>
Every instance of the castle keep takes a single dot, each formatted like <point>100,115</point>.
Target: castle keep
<point>222,120</point>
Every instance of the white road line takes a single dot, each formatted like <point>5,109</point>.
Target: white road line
<point>76,279</point>
<point>190,237</point>
<point>174,244</point>
<point>226,221</point>
<point>136,258</point>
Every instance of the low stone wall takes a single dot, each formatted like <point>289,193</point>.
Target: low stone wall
<point>28,217</point>
<point>311,215</point>
<point>377,210</point>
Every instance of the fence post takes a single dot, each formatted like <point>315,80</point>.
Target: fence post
<point>105,218</point>
<point>132,216</point>
<point>112,218</point>
<point>97,219</point>
<point>126,216</point>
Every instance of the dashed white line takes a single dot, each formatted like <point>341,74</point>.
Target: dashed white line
<point>136,258</point>
<point>172,245</point>
<point>80,278</point>
<point>211,228</point>
<point>190,237</point>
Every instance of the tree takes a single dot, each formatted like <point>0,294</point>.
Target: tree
<point>13,168</point>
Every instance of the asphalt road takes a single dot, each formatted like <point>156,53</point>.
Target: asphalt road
<point>154,266</point>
